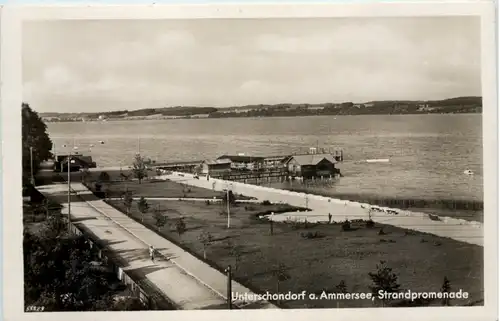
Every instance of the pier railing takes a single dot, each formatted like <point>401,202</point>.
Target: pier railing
<point>259,175</point>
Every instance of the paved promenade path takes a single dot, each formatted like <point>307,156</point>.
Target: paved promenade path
<point>185,280</point>
<point>465,231</point>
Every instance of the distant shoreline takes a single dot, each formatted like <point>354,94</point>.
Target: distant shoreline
<point>458,105</point>
<point>249,117</point>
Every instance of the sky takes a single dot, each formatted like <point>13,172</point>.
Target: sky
<point>104,65</point>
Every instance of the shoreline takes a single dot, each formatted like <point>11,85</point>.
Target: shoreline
<point>375,200</point>
<point>252,117</point>
<point>458,229</point>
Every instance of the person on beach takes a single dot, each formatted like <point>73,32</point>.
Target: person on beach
<point>329,218</point>
<point>152,253</point>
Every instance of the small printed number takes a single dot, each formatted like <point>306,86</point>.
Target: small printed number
<point>35,308</point>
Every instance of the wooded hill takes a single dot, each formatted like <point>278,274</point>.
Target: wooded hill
<point>452,105</point>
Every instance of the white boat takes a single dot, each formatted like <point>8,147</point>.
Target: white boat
<point>101,142</point>
<point>384,160</point>
<point>468,172</point>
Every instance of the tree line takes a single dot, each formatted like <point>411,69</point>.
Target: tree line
<point>452,105</point>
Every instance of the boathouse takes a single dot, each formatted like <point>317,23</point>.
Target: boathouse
<point>216,167</point>
<point>77,162</point>
<point>242,162</point>
<point>311,165</point>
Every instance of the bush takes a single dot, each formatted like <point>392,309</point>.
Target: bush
<point>346,225</point>
<point>312,235</point>
<point>128,304</point>
<point>104,177</point>
<point>266,202</point>
<point>370,224</point>
<point>294,224</point>
<point>410,232</point>
<point>384,279</point>
<point>207,202</point>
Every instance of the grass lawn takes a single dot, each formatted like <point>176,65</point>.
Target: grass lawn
<point>421,261</point>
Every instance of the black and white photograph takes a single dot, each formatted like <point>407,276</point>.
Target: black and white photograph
<point>246,163</point>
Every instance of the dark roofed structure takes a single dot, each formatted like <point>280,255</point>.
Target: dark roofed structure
<point>78,161</point>
<point>312,165</point>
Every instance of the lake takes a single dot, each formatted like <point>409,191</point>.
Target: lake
<point>428,153</point>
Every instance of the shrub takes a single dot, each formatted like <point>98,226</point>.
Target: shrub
<point>160,220</point>
<point>382,232</point>
<point>384,280</point>
<point>294,224</point>
<point>346,225</point>
<point>410,232</point>
<point>128,304</point>
<point>228,196</point>
<point>312,235</point>
<point>104,177</point>
<point>446,288</point>
<point>180,226</point>
<point>341,287</point>
<point>266,202</point>
<point>370,223</point>
<point>207,202</point>
<point>206,240</point>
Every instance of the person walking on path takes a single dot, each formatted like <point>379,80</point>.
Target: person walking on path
<point>152,253</point>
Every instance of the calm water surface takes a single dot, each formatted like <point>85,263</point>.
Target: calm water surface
<point>428,153</point>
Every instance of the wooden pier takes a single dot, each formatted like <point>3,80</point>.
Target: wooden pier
<point>250,169</point>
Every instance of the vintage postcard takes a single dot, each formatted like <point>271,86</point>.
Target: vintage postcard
<point>339,160</point>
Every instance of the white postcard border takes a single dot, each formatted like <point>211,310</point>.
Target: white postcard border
<point>11,99</point>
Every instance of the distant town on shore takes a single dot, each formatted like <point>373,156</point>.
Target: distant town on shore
<point>458,105</point>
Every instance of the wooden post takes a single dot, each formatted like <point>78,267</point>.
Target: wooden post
<point>229,290</point>
<point>228,209</point>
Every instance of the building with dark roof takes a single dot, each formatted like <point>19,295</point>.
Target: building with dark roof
<point>216,167</point>
<point>311,165</point>
<point>77,162</point>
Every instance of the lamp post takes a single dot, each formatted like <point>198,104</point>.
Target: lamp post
<point>229,290</point>
<point>228,209</point>
<point>69,192</point>
<point>228,205</point>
